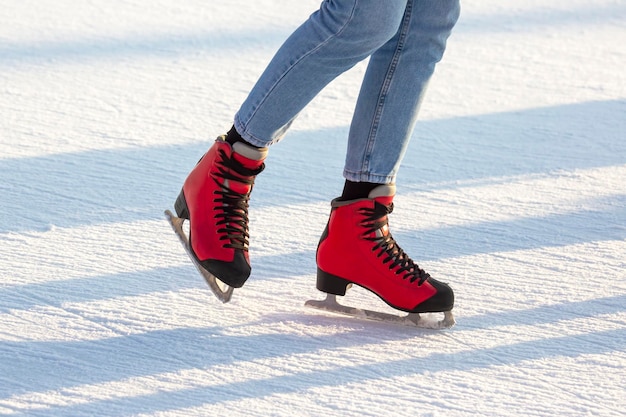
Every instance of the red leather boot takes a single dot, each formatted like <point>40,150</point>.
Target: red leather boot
<point>357,248</point>
<point>215,199</point>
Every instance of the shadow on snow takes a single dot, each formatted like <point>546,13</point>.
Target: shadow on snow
<point>202,348</point>
<point>109,186</point>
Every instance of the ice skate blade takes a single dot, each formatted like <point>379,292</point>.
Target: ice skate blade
<point>411,319</point>
<point>221,290</point>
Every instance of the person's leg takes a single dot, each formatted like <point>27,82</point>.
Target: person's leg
<point>393,88</point>
<point>357,246</point>
<point>215,196</point>
<point>336,37</point>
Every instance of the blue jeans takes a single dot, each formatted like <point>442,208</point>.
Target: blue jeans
<point>404,40</point>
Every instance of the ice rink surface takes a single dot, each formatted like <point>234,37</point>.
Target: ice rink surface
<point>513,190</point>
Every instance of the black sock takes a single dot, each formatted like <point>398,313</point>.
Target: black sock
<point>353,190</point>
<point>233,137</point>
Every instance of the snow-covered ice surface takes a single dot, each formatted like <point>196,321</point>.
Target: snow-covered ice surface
<point>513,191</point>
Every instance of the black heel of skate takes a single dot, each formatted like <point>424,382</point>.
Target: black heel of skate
<point>331,284</point>
<point>181,206</point>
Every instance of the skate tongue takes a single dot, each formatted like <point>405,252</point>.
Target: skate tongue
<point>383,194</point>
<point>238,187</point>
<point>383,231</point>
<point>249,156</point>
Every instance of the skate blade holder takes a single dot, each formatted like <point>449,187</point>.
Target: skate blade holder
<point>331,304</point>
<point>222,291</point>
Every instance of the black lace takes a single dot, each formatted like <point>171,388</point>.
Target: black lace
<point>234,205</point>
<point>375,220</point>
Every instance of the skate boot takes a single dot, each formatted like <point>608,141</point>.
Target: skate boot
<point>357,248</point>
<point>214,200</point>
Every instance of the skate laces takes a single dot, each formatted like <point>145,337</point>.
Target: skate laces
<point>376,221</point>
<point>233,204</point>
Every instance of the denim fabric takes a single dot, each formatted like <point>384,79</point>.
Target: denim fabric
<point>404,40</point>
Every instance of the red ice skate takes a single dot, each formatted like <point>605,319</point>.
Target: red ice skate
<point>214,200</point>
<point>357,248</point>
